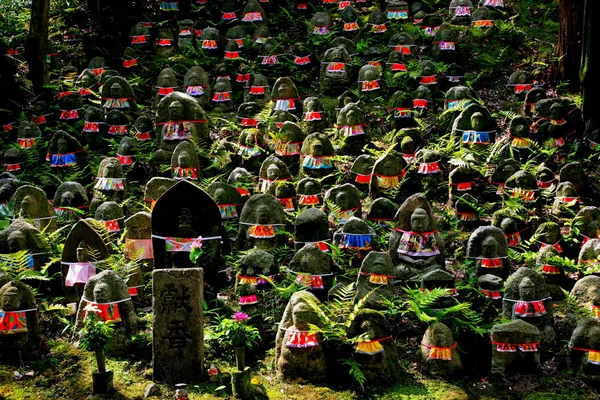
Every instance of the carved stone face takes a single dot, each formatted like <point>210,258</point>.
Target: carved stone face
<point>419,220</point>
<point>526,290</point>
<point>549,235</point>
<point>86,80</point>
<point>489,248</point>
<point>284,90</point>
<point>116,91</point>
<point>556,111</point>
<point>185,223</point>
<point>302,315</point>
<point>477,121</point>
<point>368,328</point>
<point>370,75</point>
<point>354,117</point>
<point>161,190</point>
<point>28,206</point>
<point>220,196</point>
<point>166,79</point>
<point>176,111</point>
<point>273,172</point>
<point>11,299</point>
<point>62,145</point>
<point>310,187</point>
<point>17,241</point>
<point>262,215</point>
<point>82,253</point>
<point>508,225</point>
<point>66,198</point>
<point>109,169</point>
<point>390,168</point>
<point>407,145</point>
<point>342,199</point>
<point>185,160</point>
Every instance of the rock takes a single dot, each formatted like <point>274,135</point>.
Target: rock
<point>152,390</point>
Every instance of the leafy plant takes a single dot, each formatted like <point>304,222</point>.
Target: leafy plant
<point>95,335</point>
<point>421,304</point>
<point>236,331</point>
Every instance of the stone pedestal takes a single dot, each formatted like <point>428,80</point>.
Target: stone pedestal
<point>177,335</point>
<point>102,382</point>
<point>241,384</point>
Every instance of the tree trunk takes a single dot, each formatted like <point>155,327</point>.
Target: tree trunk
<point>37,44</point>
<point>590,61</point>
<point>569,41</point>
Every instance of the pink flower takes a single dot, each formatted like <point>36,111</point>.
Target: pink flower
<point>197,243</point>
<point>240,316</point>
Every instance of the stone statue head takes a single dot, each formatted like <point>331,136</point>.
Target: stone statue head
<point>419,220</point>
<point>489,247</point>
<point>526,290</point>
<point>116,90</point>
<point>82,252</point>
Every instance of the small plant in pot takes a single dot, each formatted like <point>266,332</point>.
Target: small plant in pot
<point>94,336</point>
<point>236,332</point>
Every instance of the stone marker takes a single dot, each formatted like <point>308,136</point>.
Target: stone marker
<point>177,335</point>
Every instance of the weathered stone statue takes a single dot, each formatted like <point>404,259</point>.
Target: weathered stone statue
<point>438,355</point>
<point>20,330</point>
<point>489,248</point>
<point>387,173</point>
<point>179,117</point>
<point>109,295</point>
<point>184,162</point>
<point>352,130</point>
<point>315,118</point>
<point>272,170</point>
<point>415,245</point>
<point>376,272</point>
<point>110,183</point>
<point>317,156</point>
<point>31,203</point>
<point>309,192</point>
<point>335,72</point>
<point>195,83</point>
<point>261,219</point>
<point>227,198</point>
<point>515,348</point>
<point>526,297</point>
<point>285,95</point>
<point>299,354</point>
<point>346,198</point>
<point>376,351</point>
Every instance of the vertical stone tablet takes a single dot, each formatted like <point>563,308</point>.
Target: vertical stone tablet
<point>178,335</point>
